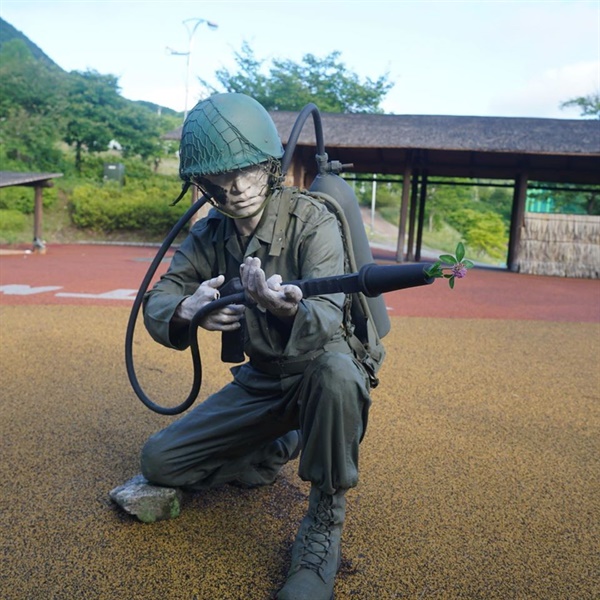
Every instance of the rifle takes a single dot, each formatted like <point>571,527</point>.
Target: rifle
<point>371,280</point>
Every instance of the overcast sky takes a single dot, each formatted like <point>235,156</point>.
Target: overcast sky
<point>517,58</point>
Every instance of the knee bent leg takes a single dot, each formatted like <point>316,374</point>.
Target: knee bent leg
<point>339,374</point>
<point>153,464</point>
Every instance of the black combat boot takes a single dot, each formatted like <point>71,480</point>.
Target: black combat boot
<point>316,554</point>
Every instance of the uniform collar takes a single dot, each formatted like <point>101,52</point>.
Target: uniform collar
<point>265,229</point>
<point>263,234</point>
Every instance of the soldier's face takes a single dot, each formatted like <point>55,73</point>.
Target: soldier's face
<point>241,192</point>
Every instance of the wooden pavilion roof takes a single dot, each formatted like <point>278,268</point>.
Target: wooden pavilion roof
<point>552,150</point>
<point>10,178</point>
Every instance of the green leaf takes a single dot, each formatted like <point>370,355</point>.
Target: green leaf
<point>468,264</point>
<point>432,270</point>
<point>460,252</point>
<point>451,282</point>
<point>448,258</point>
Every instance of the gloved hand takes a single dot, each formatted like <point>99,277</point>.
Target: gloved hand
<point>224,319</point>
<point>268,293</point>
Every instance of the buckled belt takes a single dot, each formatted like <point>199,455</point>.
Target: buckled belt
<point>290,366</point>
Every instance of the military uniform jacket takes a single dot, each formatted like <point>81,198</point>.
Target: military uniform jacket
<point>297,238</point>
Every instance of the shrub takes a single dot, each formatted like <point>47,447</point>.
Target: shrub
<point>484,232</point>
<point>143,206</point>
<point>22,198</point>
<point>11,222</point>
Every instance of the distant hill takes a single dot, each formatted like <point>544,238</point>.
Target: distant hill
<point>8,33</point>
<point>156,107</point>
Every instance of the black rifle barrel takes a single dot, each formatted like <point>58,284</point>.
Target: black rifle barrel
<point>371,280</point>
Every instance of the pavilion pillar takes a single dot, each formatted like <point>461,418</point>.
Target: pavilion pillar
<point>406,177</point>
<point>39,245</point>
<point>517,220</point>
<point>422,200</point>
<point>414,193</point>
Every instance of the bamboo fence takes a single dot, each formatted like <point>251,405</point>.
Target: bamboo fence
<point>560,245</point>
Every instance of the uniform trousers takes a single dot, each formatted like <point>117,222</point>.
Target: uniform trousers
<point>239,432</point>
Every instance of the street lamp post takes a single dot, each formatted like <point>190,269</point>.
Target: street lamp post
<point>191,25</point>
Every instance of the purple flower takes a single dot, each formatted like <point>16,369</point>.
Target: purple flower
<point>459,271</point>
<point>451,267</point>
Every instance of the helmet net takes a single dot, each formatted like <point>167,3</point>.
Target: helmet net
<point>211,144</point>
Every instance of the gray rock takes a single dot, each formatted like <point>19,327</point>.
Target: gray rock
<point>149,503</point>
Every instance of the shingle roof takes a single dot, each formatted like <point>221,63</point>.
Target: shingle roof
<point>482,134</point>
<point>550,150</point>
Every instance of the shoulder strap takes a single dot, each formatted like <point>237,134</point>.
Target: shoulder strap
<point>283,211</point>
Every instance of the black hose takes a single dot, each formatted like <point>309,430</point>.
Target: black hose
<point>137,304</point>
<point>295,134</point>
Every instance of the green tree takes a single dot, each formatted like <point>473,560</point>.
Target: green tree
<point>28,83</point>
<point>97,114</point>
<point>442,203</point>
<point>483,232</point>
<point>93,106</point>
<point>389,195</point>
<point>500,200</point>
<point>589,105</point>
<point>291,86</point>
<point>31,107</point>
<point>138,131</point>
<point>29,140</point>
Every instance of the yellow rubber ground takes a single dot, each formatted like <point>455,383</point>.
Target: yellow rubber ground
<point>479,472</point>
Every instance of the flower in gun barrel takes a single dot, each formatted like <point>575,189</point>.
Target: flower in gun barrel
<point>459,271</point>
<point>451,267</point>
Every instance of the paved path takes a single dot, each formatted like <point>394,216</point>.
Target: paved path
<point>111,275</point>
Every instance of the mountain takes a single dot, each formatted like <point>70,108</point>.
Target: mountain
<point>8,33</point>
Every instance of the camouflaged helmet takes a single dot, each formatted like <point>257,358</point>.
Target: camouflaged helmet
<point>226,132</point>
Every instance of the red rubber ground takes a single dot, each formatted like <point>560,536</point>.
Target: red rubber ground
<point>484,293</point>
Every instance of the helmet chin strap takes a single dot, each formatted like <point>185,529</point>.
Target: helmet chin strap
<point>184,188</point>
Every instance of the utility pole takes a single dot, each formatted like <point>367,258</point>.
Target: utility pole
<point>191,26</point>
